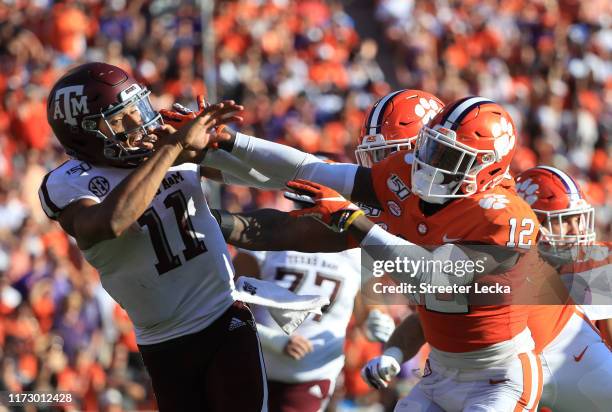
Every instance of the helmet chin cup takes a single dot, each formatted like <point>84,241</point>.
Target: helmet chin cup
<point>434,200</point>
<point>429,186</point>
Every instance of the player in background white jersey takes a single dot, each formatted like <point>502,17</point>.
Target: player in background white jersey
<point>302,368</point>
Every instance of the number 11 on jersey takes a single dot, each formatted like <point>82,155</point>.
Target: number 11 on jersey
<point>166,261</point>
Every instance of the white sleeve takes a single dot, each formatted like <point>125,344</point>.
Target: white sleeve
<point>236,172</point>
<point>286,163</point>
<point>56,192</point>
<point>272,339</point>
<point>380,245</point>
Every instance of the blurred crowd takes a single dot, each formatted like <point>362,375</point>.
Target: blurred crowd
<point>306,77</point>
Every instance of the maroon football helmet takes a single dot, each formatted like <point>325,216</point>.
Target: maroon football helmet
<point>82,106</point>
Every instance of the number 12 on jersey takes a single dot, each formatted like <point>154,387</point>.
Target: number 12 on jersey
<point>524,236</point>
<point>166,261</point>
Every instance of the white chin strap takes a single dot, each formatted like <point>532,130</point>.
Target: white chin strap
<point>429,188</point>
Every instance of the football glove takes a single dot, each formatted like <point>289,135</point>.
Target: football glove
<point>379,326</point>
<point>181,115</point>
<point>379,371</point>
<point>323,204</point>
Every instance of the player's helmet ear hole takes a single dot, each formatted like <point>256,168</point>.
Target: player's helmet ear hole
<point>494,171</point>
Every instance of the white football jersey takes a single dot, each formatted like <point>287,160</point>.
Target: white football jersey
<point>171,271</point>
<point>334,275</point>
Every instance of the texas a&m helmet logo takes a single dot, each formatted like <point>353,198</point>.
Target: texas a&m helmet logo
<point>68,103</point>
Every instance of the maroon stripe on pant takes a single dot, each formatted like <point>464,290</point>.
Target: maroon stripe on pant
<point>297,397</point>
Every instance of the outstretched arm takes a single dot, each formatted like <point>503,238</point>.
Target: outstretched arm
<point>284,163</point>
<point>260,163</point>
<point>270,229</point>
<point>221,166</point>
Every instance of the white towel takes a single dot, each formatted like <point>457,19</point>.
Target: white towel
<point>286,308</point>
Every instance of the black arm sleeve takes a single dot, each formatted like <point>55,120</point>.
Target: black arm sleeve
<point>225,221</point>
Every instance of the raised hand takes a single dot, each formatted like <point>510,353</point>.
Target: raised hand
<point>180,115</point>
<point>198,132</point>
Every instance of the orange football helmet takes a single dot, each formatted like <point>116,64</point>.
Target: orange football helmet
<point>393,123</point>
<point>555,198</point>
<point>465,149</point>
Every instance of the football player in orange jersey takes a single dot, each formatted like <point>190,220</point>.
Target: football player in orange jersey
<point>464,155</point>
<point>393,124</point>
<point>577,363</point>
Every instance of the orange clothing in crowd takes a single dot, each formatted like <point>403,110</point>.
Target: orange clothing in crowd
<point>124,324</point>
<point>358,351</point>
<point>70,29</point>
<point>83,383</point>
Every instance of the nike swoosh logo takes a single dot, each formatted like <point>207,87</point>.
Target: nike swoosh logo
<point>333,199</point>
<point>497,382</point>
<point>447,239</point>
<point>579,357</point>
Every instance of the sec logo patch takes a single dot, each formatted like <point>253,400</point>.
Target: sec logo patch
<point>99,186</point>
<point>422,228</point>
<point>394,208</point>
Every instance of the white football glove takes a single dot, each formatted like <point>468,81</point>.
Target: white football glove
<point>379,326</point>
<point>379,371</point>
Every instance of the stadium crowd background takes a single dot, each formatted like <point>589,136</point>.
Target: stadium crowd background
<point>305,76</point>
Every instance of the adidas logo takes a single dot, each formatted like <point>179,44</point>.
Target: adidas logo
<point>235,323</point>
<point>316,391</point>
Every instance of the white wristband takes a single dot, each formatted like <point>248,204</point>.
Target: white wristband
<point>395,353</point>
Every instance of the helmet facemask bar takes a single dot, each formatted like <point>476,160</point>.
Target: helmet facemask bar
<point>369,153</point>
<point>115,147</point>
<point>556,219</point>
<point>442,166</point>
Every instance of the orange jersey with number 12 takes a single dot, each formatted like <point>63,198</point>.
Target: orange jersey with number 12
<point>494,217</point>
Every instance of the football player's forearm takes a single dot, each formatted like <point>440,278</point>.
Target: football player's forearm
<point>408,337</point>
<point>381,246</point>
<point>270,229</point>
<point>128,201</point>
<point>272,159</point>
<point>286,163</point>
<point>235,171</point>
